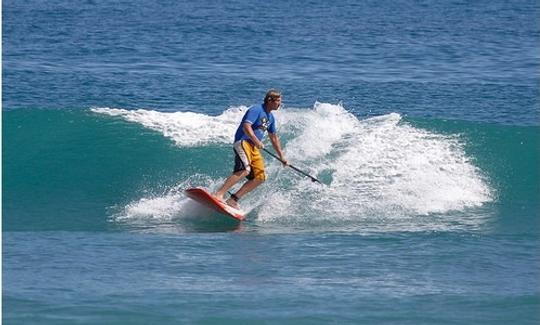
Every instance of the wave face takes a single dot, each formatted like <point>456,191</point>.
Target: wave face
<point>108,168</point>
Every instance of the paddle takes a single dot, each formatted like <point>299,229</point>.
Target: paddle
<point>313,179</point>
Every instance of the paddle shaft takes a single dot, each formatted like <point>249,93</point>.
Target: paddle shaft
<point>313,179</point>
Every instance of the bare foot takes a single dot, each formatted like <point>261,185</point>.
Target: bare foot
<point>218,197</point>
<point>232,203</point>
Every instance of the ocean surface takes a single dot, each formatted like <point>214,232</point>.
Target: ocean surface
<point>421,118</point>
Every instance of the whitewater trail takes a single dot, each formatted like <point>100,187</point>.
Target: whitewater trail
<point>381,172</point>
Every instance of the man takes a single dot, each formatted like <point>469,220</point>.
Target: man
<point>248,161</point>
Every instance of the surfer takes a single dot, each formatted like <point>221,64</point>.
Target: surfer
<point>248,161</point>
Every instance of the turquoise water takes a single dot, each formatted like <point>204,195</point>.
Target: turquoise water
<point>421,118</point>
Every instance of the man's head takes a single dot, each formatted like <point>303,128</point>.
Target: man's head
<point>272,100</point>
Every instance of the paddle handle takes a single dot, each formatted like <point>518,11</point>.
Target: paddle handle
<point>313,179</point>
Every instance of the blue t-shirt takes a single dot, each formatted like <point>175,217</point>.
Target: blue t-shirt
<point>260,122</point>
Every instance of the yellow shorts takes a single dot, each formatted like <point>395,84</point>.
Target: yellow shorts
<point>248,157</point>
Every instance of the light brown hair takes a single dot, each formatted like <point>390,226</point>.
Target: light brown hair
<point>272,95</point>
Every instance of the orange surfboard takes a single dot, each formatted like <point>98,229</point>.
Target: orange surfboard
<point>203,197</point>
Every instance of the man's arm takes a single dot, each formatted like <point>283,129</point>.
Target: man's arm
<point>277,146</point>
<point>248,129</point>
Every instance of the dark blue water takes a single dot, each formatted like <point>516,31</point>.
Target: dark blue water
<point>467,60</point>
<point>421,117</point>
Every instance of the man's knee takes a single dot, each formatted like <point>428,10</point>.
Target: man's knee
<point>242,173</point>
<point>253,174</point>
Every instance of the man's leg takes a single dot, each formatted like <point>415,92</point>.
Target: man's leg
<point>230,182</point>
<point>257,177</point>
<point>241,169</point>
<point>248,187</point>
<point>245,189</point>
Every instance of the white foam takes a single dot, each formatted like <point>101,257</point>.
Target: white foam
<point>159,209</point>
<point>184,128</point>
<point>315,132</point>
<point>163,208</point>
<point>384,173</point>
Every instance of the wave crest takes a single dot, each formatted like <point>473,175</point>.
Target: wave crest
<point>380,171</point>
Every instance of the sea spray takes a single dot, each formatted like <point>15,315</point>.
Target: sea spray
<point>184,128</point>
<point>381,171</point>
